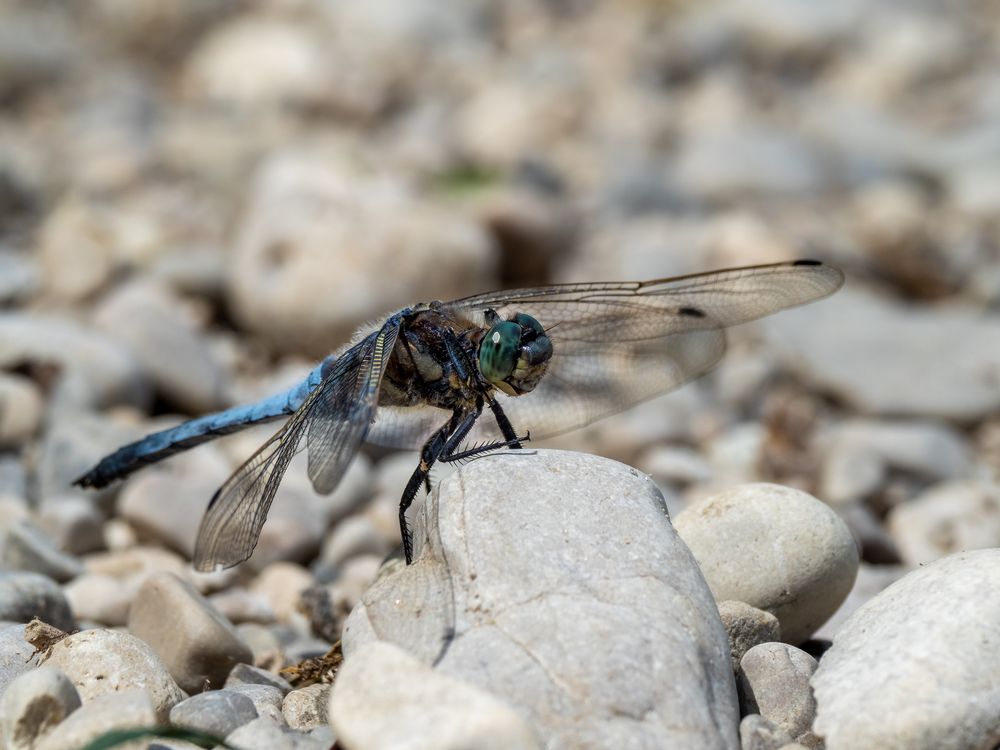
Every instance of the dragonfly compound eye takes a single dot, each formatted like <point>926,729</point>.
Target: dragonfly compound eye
<point>499,351</point>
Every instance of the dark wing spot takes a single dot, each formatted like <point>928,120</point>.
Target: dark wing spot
<point>807,263</point>
<point>692,312</point>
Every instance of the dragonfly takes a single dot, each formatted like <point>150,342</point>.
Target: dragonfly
<point>548,359</point>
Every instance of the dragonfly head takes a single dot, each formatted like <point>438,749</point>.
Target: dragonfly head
<point>515,353</point>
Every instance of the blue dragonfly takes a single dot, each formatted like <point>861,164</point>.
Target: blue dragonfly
<point>548,359</point>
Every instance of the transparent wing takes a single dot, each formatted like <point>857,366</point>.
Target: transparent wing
<point>332,422</point>
<point>616,344</point>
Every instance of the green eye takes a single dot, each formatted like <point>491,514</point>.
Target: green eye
<point>498,351</point>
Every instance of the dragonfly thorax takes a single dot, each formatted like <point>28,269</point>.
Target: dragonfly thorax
<point>514,354</point>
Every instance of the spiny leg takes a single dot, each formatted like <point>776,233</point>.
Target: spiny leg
<point>479,450</point>
<point>435,447</point>
<point>505,426</point>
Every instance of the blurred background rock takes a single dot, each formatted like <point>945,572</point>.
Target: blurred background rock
<point>199,198</point>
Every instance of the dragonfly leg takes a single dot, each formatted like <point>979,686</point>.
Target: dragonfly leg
<point>479,450</point>
<point>505,426</point>
<point>435,447</point>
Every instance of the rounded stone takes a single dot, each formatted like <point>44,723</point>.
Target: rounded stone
<point>747,627</point>
<point>775,548</point>
<point>101,662</point>
<point>306,708</point>
<point>774,682</point>
<point>33,704</point>
<point>516,547</point>
<point>216,712</point>
<point>916,667</point>
<point>24,595</point>
<point>100,715</point>
<point>384,698</point>
<point>196,643</point>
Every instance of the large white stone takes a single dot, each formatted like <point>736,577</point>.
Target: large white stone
<point>775,548</point>
<point>555,580</point>
<point>917,667</point>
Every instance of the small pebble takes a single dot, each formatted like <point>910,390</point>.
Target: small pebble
<point>245,674</point>
<point>775,548</point>
<point>774,682</point>
<point>215,712</point>
<point>196,643</point>
<point>104,662</point>
<point>33,704</point>
<point>747,627</point>
<point>306,708</point>
<point>24,595</point>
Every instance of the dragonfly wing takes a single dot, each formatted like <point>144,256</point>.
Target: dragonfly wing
<point>616,344</point>
<point>332,422</point>
<point>344,408</point>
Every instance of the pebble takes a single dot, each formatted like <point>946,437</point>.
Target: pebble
<point>355,535</point>
<point>24,595</point>
<point>948,517</point>
<point>99,368</point>
<point>264,734</point>
<point>268,652</point>
<point>747,627</point>
<point>240,606</point>
<point>197,644</point>
<point>281,584</point>
<point>915,667</point>
<point>757,733</point>
<point>103,662</point>
<point>774,682</point>
<point>151,322</point>
<point>776,549</point>
<point>309,211</point>
<point>862,452</point>
<point>266,699</point>
<point>101,714</point>
<point>214,712</point>
<point>246,674</point>
<point>600,593</point>
<point>306,708</point>
<point>385,698</point>
<point>16,654</point>
<point>24,547</point>
<point>168,506</point>
<point>33,704</point>
<point>23,409</point>
<point>954,384</point>
<point>72,523</point>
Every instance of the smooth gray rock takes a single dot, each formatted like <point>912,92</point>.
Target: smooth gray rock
<point>841,346</point>
<point>306,708</point>
<point>947,518</point>
<point>746,627</point>
<point>173,354</point>
<point>757,733</point>
<point>247,674</point>
<point>861,453</point>
<point>73,524</point>
<point>215,712</point>
<point>24,409</point>
<point>101,370</point>
<point>196,643</point>
<point>916,667</point>
<point>774,682</point>
<point>126,710</point>
<point>15,654</point>
<point>600,628</point>
<point>384,698</point>
<point>366,219</point>
<point>103,662</point>
<point>775,548</point>
<point>871,580</point>
<point>266,700</point>
<point>264,734</point>
<point>24,595</point>
<point>24,547</point>
<point>33,704</point>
